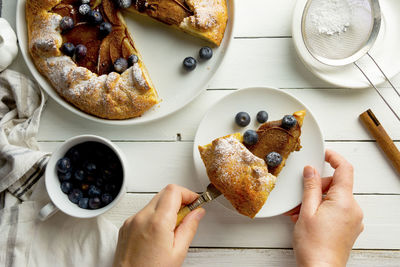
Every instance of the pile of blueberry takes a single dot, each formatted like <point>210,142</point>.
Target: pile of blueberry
<point>90,174</point>
<point>250,137</point>
<point>190,63</point>
<point>95,18</point>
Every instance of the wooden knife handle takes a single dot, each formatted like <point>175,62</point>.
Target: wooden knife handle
<point>382,138</point>
<point>182,214</point>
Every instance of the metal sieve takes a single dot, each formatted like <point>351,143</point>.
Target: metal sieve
<point>340,32</point>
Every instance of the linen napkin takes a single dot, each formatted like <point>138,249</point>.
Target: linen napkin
<point>24,240</point>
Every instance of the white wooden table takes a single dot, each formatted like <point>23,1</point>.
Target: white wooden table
<point>262,53</point>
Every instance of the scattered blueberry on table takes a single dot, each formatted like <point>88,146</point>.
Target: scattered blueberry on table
<point>242,119</point>
<point>250,137</point>
<point>205,52</point>
<point>90,175</point>
<point>189,63</point>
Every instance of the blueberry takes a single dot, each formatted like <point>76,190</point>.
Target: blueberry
<point>90,167</point>
<point>83,203</point>
<point>94,203</point>
<point>75,195</point>
<point>107,174</point>
<point>84,186</point>
<point>242,119</point>
<point>99,182</point>
<point>85,1</point>
<point>205,52</point>
<point>68,49</point>
<point>105,29</point>
<point>273,159</point>
<point>262,116</point>
<point>288,122</point>
<point>132,59</point>
<point>64,165</point>
<point>106,198</point>
<point>64,176</point>
<point>84,9</point>
<point>66,187</point>
<point>90,178</point>
<point>250,137</point>
<point>120,65</point>
<point>189,63</point>
<point>79,175</point>
<point>95,17</point>
<point>94,191</point>
<point>66,23</point>
<point>110,187</point>
<point>74,155</point>
<point>80,51</point>
<point>124,3</point>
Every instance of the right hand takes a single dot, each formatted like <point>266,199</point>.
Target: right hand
<point>326,228</point>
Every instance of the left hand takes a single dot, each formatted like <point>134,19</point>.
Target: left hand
<point>149,238</point>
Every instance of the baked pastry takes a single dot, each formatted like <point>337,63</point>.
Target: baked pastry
<point>202,18</point>
<point>91,82</point>
<point>239,175</point>
<point>272,137</point>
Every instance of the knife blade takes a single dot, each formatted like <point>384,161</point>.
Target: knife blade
<point>210,194</point>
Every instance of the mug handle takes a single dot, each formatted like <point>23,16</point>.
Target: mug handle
<point>47,211</point>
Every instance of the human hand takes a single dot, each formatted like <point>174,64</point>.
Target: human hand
<point>149,238</point>
<point>326,228</point>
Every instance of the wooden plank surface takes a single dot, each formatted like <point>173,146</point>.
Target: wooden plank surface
<point>223,228</point>
<point>199,257</point>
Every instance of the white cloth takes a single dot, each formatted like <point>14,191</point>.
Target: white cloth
<point>24,240</point>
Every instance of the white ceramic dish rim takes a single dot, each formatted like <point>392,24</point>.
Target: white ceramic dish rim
<point>21,29</point>
<point>305,56</point>
<point>53,184</point>
<point>309,112</point>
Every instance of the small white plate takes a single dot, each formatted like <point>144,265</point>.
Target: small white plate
<point>163,50</point>
<point>219,121</point>
<point>385,51</point>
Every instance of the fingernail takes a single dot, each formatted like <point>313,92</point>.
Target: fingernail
<point>200,213</point>
<point>308,172</point>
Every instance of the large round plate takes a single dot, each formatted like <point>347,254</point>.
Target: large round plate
<point>385,49</point>
<point>163,50</point>
<point>219,121</point>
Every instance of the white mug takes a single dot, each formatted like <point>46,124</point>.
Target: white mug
<point>59,200</point>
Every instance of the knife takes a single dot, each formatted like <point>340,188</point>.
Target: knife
<point>210,194</point>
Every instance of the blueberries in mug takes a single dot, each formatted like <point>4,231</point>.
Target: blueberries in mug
<point>68,49</point>
<point>288,122</point>
<point>250,137</point>
<point>95,17</point>
<point>273,159</point>
<point>66,187</point>
<point>79,175</point>
<point>83,203</point>
<point>66,23</point>
<point>64,176</point>
<point>262,116</point>
<point>106,198</point>
<point>205,52</point>
<point>75,195</point>
<point>99,182</point>
<point>110,187</point>
<point>84,186</point>
<point>105,29</point>
<point>94,191</point>
<point>242,119</point>
<point>84,9</point>
<point>120,65</point>
<point>64,165</point>
<point>94,203</point>
<point>90,167</point>
<point>189,63</point>
<point>132,59</point>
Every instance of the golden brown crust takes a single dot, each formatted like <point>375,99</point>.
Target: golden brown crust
<point>111,96</point>
<point>242,177</point>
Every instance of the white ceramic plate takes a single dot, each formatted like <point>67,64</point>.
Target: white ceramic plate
<point>163,50</point>
<point>385,51</point>
<point>219,121</point>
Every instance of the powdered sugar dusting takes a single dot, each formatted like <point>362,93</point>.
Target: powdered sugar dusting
<point>138,77</point>
<point>205,13</point>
